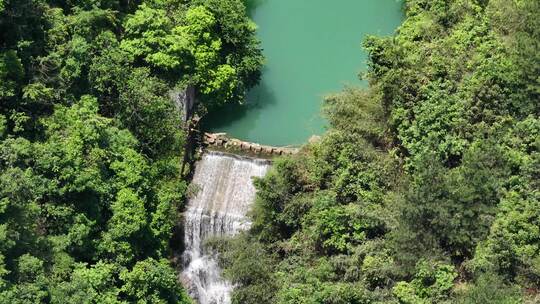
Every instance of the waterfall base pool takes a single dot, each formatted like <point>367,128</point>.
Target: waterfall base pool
<point>313,48</point>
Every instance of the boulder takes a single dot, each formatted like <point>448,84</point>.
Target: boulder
<point>314,139</point>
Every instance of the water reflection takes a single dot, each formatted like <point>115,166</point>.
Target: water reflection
<point>249,113</point>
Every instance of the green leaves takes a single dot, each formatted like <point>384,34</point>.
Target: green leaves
<point>83,193</point>
<point>123,239</point>
<point>436,161</point>
<point>152,281</point>
<point>147,33</point>
<point>512,247</point>
<point>95,284</point>
<point>11,73</point>
<point>338,229</point>
<point>91,143</point>
<point>432,283</point>
<point>143,101</point>
<point>190,45</point>
<point>128,215</point>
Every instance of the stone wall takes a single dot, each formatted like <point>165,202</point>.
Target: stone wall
<point>222,141</point>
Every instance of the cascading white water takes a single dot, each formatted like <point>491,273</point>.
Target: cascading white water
<point>224,196</point>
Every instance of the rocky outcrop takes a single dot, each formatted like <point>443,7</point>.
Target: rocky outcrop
<point>184,100</point>
<point>222,142</point>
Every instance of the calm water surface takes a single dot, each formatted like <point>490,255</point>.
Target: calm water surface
<point>313,48</point>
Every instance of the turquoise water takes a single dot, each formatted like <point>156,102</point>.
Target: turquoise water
<point>313,48</point>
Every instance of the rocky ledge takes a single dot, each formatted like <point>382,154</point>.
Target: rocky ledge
<point>222,141</point>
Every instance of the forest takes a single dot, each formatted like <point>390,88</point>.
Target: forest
<point>424,189</point>
<point>91,145</point>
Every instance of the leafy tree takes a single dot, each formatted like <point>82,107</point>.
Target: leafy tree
<point>432,282</point>
<point>188,45</point>
<point>95,284</point>
<point>490,289</point>
<point>152,281</point>
<point>91,142</point>
<point>11,73</point>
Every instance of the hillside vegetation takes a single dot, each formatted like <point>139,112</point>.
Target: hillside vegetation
<point>426,188</point>
<point>91,144</point>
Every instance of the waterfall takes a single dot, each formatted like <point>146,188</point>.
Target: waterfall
<point>219,208</point>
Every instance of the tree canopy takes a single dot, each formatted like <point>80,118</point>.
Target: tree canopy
<point>425,187</point>
<point>91,143</point>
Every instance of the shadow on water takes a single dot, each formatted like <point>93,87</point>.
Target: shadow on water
<point>246,114</point>
<point>251,5</point>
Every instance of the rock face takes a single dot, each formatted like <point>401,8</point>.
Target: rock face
<point>184,100</point>
<point>221,140</point>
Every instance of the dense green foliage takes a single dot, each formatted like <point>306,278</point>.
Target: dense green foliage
<point>426,187</point>
<point>91,143</point>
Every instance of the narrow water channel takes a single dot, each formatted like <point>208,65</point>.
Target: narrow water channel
<point>313,48</point>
